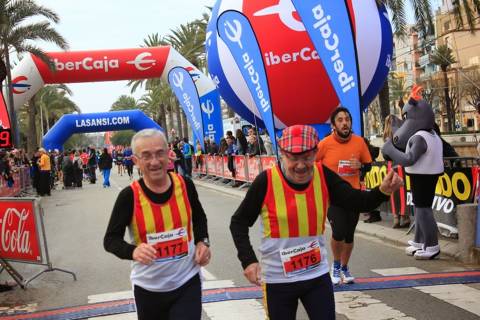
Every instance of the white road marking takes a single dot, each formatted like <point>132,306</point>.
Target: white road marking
<point>234,310</point>
<point>122,316</point>
<point>207,276</point>
<point>111,296</point>
<point>399,271</point>
<point>216,284</point>
<point>458,295</point>
<point>356,305</point>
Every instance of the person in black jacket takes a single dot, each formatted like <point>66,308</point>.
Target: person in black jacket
<point>92,165</point>
<point>105,165</point>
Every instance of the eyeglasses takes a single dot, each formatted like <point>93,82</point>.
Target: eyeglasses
<point>308,157</point>
<point>147,156</point>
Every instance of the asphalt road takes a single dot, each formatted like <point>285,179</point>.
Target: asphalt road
<point>76,220</point>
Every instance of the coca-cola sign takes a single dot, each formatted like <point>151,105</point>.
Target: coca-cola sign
<point>18,231</point>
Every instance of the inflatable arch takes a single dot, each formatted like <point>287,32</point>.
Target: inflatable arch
<point>31,74</point>
<point>95,122</point>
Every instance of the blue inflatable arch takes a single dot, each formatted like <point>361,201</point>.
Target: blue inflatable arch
<point>95,122</point>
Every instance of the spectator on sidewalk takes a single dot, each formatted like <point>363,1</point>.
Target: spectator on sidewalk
<point>105,165</point>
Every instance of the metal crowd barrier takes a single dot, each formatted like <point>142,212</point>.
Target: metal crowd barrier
<point>21,178</point>
<point>246,167</point>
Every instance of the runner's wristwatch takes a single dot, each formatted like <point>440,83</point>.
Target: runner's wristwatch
<point>206,242</point>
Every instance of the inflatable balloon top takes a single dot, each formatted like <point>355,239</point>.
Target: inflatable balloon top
<point>300,89</point>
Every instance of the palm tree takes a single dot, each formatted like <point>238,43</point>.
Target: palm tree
<point>444,58</point>
<point>152,105</point>
<point>17,35</point>
<point>124,102</point>
<point>189,42</point>
<point>423,16</point>
<point>53,102</point>
<point>467,8</point>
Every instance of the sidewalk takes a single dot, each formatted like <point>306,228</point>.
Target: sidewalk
<point>381,230</point>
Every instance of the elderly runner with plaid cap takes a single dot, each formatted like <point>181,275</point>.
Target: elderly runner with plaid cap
<point>292,199</point>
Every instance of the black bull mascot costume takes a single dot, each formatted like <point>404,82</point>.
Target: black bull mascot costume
<point>417,148</point>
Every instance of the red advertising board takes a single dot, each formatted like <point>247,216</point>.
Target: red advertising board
<point>253,168</point>
<point>267,162</point>
<point>19,230</point>
<point>210,161</point>
<point>219,166</point>
<point>226,172</point>
<point>240,168</point>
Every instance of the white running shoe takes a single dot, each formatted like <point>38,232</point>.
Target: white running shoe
<point>429,253</point>
<point>414,247</point>
<point>346,276</point>
<point>335,275</point>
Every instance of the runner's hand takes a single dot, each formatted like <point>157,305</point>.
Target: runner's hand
<point>391,183</point>
<point>253,273</point>
<point>202,254</point>
<point>144,253</point>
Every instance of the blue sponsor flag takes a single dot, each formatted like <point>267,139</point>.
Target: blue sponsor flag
<point>212,116</point>
<point>328,24</point>
<point>237,33</point>
<point>184,88</point>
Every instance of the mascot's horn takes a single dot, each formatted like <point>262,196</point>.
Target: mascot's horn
<point>416,94</point>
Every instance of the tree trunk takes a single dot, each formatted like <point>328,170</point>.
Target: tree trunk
<point>32,144</point>
<point>170,120</point>
<point>13,115</point>
<point>384,100</point>
<point>178,113</point>
<point>448,105</point>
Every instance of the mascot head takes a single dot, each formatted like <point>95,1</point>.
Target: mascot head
<point>417,115</point>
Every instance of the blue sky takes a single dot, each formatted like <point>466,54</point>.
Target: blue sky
<point>109,24</point>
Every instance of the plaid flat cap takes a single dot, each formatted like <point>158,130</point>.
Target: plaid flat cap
<point>298,139</point>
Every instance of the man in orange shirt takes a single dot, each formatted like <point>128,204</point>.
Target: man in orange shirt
<point>344,153</point>
<point>44,165</point>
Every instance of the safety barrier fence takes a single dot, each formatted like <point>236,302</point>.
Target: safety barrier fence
<point>458,185</point>
<point>21,178</point>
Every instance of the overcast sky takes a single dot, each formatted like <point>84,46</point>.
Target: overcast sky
<point>115,24</point>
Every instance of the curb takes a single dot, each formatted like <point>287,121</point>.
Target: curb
<point>396,237</point>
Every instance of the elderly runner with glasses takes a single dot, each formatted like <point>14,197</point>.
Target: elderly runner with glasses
<point>168,230</point>
<point>291,199</point>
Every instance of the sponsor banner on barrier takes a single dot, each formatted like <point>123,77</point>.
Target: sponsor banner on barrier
<point>241,168</point>
<point>329,26</point>
<point>211,164</point>
<point>454,187</point>
<point>219,166</point>
<point>267,162</point>
<point>237,33</point>
<point>226,172</point>
<point>19,231</point>
<point>253,168</point>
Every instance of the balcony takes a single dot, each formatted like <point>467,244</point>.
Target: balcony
<point>424,60</point>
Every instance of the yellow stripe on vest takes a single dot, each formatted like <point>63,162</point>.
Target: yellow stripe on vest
<point>147,213</point>
<point>167,217</point>
<point>318,200</point>
<point>267,231</point>
<point>280,202</point>
<point>301,200</point>
<point>135,232</point>
<point>181,201</point>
